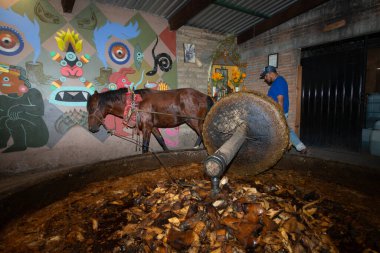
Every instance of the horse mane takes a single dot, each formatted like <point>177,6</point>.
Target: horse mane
<point>111,96</point>
<point>118,95</point>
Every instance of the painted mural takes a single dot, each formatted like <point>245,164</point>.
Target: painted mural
<point>50,62</point>
<point>21,111</point>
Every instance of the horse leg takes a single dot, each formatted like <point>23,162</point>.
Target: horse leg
<point>197,127</point>
<point>198,142</point>
<point>146,139</point>
<point>159,138</point>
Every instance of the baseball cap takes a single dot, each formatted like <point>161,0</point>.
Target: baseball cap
<point>267,70</point>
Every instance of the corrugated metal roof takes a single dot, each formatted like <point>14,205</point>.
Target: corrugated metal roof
<point>162,8</point>
<point>215,17</point>
<point>224,20</point>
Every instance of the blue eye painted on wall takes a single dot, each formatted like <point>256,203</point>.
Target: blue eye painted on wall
<point>11,42</point>
<point>121,32</point>
<point>119,53</point>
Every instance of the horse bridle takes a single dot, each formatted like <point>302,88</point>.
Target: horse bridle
<point>102,120</point>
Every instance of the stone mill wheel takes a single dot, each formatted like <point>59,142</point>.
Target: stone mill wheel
<point>267,131</point>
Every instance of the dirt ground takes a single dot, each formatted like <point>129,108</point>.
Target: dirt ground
<point>355,213</point>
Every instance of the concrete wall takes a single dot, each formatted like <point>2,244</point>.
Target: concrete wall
<point>361,16</point>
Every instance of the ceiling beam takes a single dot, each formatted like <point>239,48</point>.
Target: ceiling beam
<point>239,8</point>
<point>292,11</point>
<point>67,5</point>
<point>192,8</point>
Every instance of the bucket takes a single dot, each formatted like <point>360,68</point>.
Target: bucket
<point>366,134</point>
<point>374,142</point>
<point>373,109</point>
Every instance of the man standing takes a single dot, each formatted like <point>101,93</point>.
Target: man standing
<point>278,91</point>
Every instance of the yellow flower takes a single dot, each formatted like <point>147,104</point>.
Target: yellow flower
<point>216,78</point>
<point>237,76</point>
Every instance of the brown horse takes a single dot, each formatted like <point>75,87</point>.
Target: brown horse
<point>158,109</point>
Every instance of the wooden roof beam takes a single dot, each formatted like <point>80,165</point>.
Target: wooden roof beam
<point>239,8</point>
<point>67,5</point>
<point>192,8</point>
<point>292,11</point>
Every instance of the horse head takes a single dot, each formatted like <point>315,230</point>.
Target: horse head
<point>96,114</point>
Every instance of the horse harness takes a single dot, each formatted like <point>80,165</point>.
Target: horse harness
<point>131,111</point>
<point>130,115</point>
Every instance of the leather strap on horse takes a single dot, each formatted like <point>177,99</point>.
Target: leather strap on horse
<point>131,103</point>
<point>131,110</point>
<point>170,114</point>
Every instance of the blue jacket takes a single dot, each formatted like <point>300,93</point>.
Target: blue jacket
<point>280,87</point>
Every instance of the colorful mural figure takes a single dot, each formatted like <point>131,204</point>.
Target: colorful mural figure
<point>71,67</point>
<point>163,60</point>
<point>119,52</point>
<point>21,111</point>
<point>71,64</point>
<point>122,51</point>
<point>138,56</point>
<point>120,79</point>
<point>11,40</point>
<point>44,15</point>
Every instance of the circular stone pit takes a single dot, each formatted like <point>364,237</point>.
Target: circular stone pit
<point>171,210</point>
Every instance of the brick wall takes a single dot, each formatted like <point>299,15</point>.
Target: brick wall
<point>191,75</point>
<point>362,17</point>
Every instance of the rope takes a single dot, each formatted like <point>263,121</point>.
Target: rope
<point>137,143</point>
<point>169,114</point>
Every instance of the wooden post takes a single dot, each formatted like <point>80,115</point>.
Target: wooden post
<point>298,104</point>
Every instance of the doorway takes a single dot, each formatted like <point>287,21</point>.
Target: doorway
<point>333,96</point>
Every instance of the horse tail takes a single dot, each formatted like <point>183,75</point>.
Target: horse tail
<point>210,103</point>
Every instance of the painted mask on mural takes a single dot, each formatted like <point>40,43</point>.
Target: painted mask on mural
<point>71,66</point>
<point>10,83</point>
